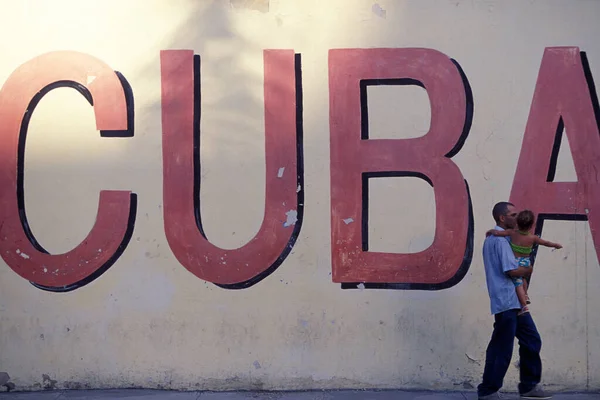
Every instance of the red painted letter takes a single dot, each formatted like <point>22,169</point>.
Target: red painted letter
<point>112,230</point>
<point>562,98</point>
<point>252,262</point>
<point>355,159</point>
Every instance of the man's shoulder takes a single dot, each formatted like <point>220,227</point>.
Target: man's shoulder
<point>493,239</point>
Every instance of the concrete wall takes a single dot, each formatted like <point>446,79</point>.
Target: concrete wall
<point>286,296</point>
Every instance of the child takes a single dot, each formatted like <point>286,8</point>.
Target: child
<point>521,242</point>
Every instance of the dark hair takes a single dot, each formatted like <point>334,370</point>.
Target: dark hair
<point>525,220</point>
<point>500,209</point>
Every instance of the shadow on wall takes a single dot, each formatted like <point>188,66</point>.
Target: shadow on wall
<point>228,108</point>
<point>247,140</point>
<point>231,150</point>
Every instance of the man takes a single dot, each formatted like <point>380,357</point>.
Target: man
<point>500,265</point>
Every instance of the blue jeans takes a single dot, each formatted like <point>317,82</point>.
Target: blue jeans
<point>507,325</point>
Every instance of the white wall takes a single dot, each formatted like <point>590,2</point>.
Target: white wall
<point>148,322</point>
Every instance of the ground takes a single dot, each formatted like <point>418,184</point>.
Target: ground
<point>307,395</point>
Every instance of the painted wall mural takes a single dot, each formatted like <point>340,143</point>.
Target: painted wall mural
<point>564,98</point>
<point>281,224</point>
<point>109,94</point>
<point>355,159</point>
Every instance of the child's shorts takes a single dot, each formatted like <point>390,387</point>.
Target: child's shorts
<point>522,262</point>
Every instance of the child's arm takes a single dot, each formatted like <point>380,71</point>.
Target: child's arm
<point>504,233</point>
<point>540,241</point>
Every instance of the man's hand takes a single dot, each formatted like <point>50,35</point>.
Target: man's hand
<point>547,243</point>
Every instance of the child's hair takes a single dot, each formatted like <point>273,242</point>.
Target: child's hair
<point>525,220</point>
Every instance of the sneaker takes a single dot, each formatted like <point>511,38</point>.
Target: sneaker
<point>536,393</point>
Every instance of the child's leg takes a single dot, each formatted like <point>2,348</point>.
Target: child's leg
<point>525,290</point>
<point>521,295</point>
<point>518,282</point>
<point>525,262</point>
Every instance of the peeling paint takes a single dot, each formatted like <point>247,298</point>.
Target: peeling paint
<point>280,172</point>
<point>292,218</point>
<point>378,10</point>
<point>348,221</point>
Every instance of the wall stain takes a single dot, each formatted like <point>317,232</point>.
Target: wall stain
<point>48,383</point>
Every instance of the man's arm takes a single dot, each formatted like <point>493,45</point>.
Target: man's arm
<point>520,272</point>
<point>542,242</point>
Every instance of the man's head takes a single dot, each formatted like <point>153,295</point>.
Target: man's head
<point>505,215</point>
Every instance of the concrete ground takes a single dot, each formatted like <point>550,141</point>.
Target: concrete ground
<point>132,394</point>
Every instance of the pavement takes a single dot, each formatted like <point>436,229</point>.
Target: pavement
<point>135,394</point>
